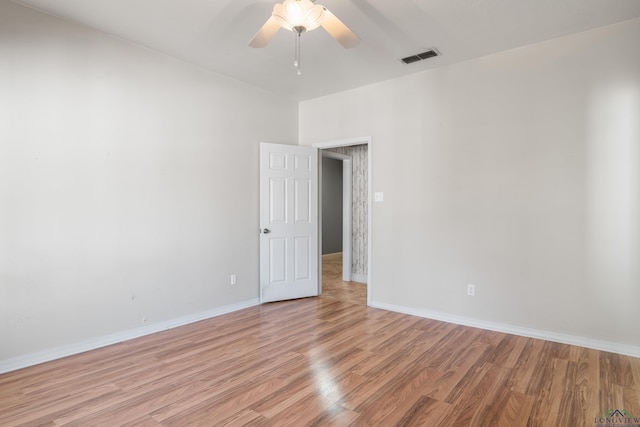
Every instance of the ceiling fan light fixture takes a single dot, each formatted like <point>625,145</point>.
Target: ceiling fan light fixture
<point>300,16</point>
<point>294,14</point>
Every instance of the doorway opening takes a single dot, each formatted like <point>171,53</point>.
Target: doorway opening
<point>336,204</point>
<point>345,220</point>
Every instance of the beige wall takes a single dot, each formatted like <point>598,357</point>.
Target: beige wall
<point>128,184</point>
<point>517,173</point>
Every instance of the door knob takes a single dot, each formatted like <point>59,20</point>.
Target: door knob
<point>266,231</point>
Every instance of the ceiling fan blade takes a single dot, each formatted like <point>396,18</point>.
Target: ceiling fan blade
<point>339,31</point>
<point>266,33</point>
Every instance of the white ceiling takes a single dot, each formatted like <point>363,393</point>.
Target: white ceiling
<point>214,34</point>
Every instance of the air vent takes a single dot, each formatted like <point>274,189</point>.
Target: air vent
<point>419,57</point>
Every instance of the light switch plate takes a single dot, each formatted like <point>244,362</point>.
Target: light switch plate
<point>378,197</point>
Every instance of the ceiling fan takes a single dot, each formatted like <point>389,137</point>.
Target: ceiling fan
<point>299,16</point>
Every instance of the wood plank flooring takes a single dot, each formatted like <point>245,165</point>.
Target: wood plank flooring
<point>334,287</point>
<point>323,361</point>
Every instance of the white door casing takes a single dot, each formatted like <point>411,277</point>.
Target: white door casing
<point>288,222</point>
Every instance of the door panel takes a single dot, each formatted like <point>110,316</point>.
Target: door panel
<point>303,201</point>
<point>288,221</point>
<point>277,200</point>
<point>302,270</point>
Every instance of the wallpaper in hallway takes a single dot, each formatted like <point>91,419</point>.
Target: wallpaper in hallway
<point>359,209</point>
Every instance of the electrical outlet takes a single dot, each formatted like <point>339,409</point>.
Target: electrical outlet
<point>233,279</point>
<point>471,290</point>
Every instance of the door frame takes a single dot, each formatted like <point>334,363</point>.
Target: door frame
<point>347,178</point>
<point>365,140</point>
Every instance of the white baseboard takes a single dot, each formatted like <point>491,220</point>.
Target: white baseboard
<point>92,344</point>
<point>360,278</point>
<point>628,350</point>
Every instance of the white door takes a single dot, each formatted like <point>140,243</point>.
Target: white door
<point>288,222</point>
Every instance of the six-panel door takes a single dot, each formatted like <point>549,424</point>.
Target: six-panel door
<point>288,221</point>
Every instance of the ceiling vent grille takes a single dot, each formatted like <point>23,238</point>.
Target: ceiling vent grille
<point>421,56</point>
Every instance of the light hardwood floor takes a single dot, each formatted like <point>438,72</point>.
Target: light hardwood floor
<point>324,361</point>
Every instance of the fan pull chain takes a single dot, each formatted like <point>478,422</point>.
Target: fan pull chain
<point>295,50</point>
<point>296,61</point>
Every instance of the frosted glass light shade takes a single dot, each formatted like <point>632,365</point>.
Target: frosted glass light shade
<point>298,13</point>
